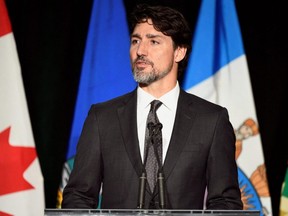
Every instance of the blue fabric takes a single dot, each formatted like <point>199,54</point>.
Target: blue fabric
<point>217,41</point>
<point>106,71</point>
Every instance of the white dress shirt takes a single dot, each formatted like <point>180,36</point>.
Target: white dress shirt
<point>166,115</point>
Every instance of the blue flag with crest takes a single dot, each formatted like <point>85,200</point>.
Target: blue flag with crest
<point>106,71</point>
<point>218,72</point>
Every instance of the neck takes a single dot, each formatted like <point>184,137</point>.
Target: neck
<point>158,89</point>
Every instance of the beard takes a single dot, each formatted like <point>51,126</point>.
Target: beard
<point>148,77</point>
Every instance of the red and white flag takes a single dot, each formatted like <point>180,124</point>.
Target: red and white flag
<point>21,180</point>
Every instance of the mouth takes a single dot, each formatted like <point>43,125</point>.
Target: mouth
<point>140,63</point>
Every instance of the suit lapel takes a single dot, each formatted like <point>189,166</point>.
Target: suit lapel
<point>128,120</point>
<point>181,129</point>
<point>127,114</point>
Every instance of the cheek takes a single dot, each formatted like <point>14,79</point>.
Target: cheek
<point>165,58</point>
<point>132,55</point>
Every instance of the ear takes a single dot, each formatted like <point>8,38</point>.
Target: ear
<point>179,54</point>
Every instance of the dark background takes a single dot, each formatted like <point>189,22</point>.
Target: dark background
<point>50,37</point>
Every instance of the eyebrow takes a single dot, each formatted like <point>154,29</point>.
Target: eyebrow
<point>147,35</point>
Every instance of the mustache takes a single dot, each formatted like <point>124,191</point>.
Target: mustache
<point>143,59</point>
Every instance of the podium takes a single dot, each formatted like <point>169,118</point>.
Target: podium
<point>148,212</point>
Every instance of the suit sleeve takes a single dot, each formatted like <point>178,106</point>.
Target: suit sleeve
<point>85,180</point>
<point>222,173</point>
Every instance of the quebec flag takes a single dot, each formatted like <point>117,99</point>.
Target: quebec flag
<point>106,71</point>
<point>218,72</point>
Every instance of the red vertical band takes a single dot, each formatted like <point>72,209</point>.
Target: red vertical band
<point>5,25</point>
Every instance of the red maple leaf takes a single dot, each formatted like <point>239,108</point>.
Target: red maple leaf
<point>13,162</point>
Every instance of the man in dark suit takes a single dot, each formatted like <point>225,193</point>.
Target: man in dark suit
<point>198,141</point>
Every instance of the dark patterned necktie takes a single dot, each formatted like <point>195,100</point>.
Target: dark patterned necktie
<point>153,136</point>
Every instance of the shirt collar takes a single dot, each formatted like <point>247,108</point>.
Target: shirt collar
<point>169,99</point>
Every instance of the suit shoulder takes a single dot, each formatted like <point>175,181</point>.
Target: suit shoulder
<point>114,103</point>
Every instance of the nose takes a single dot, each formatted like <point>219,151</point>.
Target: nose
<point>142,49</point>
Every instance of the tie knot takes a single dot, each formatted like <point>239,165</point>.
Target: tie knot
<point>155,104</point>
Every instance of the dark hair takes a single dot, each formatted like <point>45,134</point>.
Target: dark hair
<point>168,21</point>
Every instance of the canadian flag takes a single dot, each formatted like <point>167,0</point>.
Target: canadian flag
<point>21,180</point>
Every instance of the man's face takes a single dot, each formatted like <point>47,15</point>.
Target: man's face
<point>151,53</point>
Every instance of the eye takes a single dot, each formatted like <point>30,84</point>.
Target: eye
<point>154,42</point>
<point>134,41</point>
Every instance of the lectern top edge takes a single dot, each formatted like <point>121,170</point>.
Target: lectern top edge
<point>132,212</point>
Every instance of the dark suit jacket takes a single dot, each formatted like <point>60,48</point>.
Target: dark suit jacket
<point>201,154</point>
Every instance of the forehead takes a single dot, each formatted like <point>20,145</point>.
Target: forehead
<point>146,28</point>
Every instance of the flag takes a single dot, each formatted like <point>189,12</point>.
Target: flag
<point>106,71</point>
<point>21,180</point>
<point>218,71</point>
<point>284,197</point>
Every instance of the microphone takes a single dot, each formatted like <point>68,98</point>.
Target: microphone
<point>151,128</point>
<point>161,190</point>
<point>154,129</point>
<point>142,186</point>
